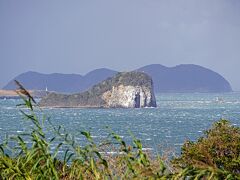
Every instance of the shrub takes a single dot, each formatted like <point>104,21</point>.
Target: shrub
<point>217,153</point>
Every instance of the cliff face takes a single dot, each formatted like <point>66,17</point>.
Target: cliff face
<point>129,97</point>
<point>124,90</point>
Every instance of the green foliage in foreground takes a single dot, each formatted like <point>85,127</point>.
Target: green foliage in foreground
<point>214,156</point>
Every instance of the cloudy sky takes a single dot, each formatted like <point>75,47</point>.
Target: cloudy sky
<point>80,35</point>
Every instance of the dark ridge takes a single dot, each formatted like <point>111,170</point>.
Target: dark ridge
<point>182,78</point>
<point>65,83</point>
<point>186,78</point>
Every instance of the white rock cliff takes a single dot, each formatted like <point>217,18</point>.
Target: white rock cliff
<point>129,97</point>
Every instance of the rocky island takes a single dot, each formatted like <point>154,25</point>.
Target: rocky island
<point>124,90</point>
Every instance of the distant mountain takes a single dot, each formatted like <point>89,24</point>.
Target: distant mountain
<point>65,83</point>
<point>54,82</point>
<point>94,77</point>
<point>182,78</point>
<point>186,78</point>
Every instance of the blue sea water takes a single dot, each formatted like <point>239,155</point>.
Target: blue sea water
<point>178,117</point>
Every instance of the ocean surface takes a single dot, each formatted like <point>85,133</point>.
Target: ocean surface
<point>178,117</point>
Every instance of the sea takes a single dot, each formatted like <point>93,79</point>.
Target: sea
<point>179,117</point>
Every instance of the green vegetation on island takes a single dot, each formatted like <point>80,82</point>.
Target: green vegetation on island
<point>213,156</point>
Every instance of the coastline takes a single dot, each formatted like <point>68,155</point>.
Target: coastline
<point>8,93</point>
<point>11,94</point>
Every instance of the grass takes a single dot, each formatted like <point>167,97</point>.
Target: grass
<point>214,156</point>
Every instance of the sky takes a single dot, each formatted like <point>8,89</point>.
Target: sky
<point>77,36</point>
